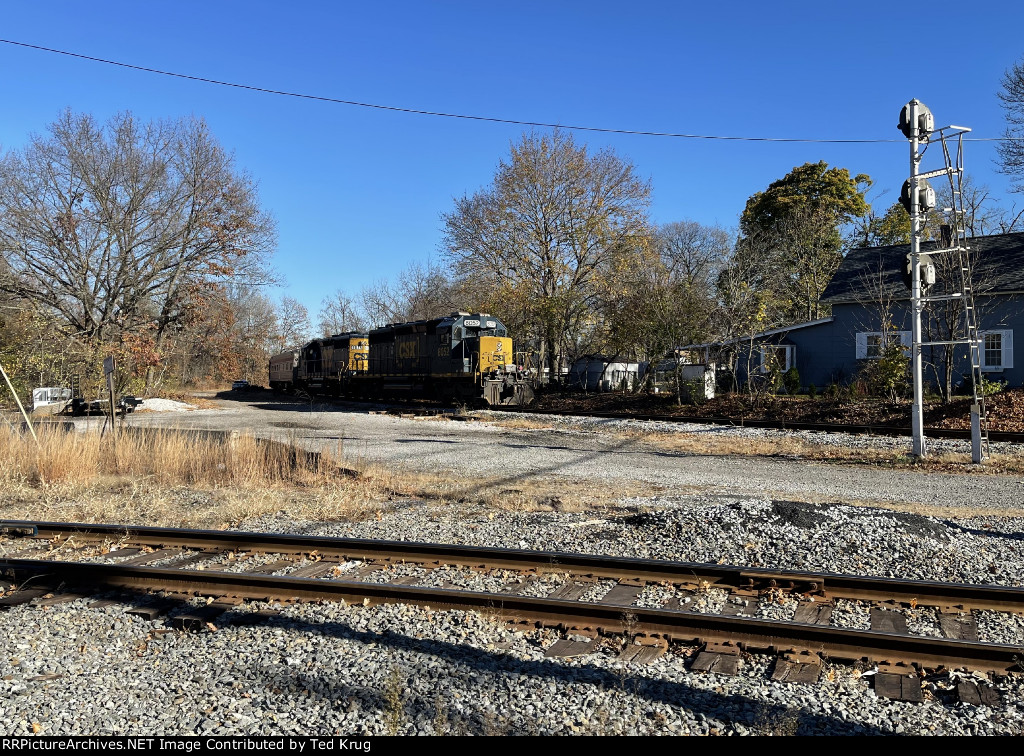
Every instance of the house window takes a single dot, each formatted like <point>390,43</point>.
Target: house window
<point>996,350</point>
<point>779,358</point>
<point>871,344</point>
<point>993,350</point>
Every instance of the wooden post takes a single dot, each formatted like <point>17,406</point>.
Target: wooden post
<point>108,371</point>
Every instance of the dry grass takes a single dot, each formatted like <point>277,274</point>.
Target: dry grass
<point>519,423</point>
<point>723,444</point>
<point>215,480</point>
<point>519,494</point>
<point>161,456</point>
<point>172,477</point>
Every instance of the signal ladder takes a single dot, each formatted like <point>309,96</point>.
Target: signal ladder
<point>954,243</point>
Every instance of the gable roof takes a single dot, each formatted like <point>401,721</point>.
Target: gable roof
<point>753,337</point>
<point>998,269</point>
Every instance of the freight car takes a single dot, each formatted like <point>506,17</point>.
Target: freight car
<point>462,357</point>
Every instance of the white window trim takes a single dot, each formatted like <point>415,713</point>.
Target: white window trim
<point>790,352</point>
<point>1007,350</point>
<point>905,337</point>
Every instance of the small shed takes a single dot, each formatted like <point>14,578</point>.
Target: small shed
<point>695,381</point>
<point>599,373</point>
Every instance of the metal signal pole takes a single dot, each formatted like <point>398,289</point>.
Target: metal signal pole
<point>919,448</point>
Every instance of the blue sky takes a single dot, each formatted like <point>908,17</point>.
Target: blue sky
<point>359,193</point>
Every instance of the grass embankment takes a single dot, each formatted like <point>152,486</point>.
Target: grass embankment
<point>197,479</point>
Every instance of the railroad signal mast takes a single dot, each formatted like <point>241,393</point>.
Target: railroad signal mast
<point>918,197</point>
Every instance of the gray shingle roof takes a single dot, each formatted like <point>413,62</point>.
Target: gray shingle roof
<point>999,268</point>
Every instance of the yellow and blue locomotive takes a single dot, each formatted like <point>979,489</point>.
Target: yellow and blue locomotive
<point>463,357</point>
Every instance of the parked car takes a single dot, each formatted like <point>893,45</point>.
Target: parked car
<point>239,385</point>
<point>127,404</point>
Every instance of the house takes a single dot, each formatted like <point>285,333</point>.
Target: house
<point>805,346</point>
<point>870,305</point>
<point>594,372</point>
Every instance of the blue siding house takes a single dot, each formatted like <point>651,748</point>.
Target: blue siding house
<point>870,309</point>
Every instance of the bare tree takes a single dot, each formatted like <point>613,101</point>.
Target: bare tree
<point>255,325</point>
<point>981,216</point>
<point>1011,151</point>
<point>426,291</point>
<point>747,304</point>
<point>1011,220</point>
<point>340,313</point>
<point>662,295</point>
<point>540,234</point>
<point>381,303</point>
<point>115,228</point>
<point>693,253</point>
<point>293,327</point>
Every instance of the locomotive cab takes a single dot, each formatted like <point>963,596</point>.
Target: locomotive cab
<point>488,352</point>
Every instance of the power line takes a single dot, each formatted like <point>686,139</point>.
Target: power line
<point>415,111</point>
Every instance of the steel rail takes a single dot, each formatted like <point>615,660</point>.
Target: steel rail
<point>751,634</point>
<point>867,588</point>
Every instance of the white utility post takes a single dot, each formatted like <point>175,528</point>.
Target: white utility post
<point>920,448</point>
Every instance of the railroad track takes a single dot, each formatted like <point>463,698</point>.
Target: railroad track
<point>424,408</point>
<point>876,430</point>
<point>585,595</point>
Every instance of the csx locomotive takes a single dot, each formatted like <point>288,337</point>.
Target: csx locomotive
<point>463,357</point>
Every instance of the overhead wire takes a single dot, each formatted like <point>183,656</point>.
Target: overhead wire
<point>463,116</point>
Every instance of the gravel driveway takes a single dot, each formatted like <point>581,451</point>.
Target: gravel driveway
<point>580,450</point>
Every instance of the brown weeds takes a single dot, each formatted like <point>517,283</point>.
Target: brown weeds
<point>172,477</point>
<point>187,478</point>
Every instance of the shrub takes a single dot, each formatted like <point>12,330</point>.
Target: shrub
<point>838,393</point>
<point>988,388</point>
<point>812,391</point>
<point>791,381</point>
<point>888,376</point>
<point>693,392</point>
